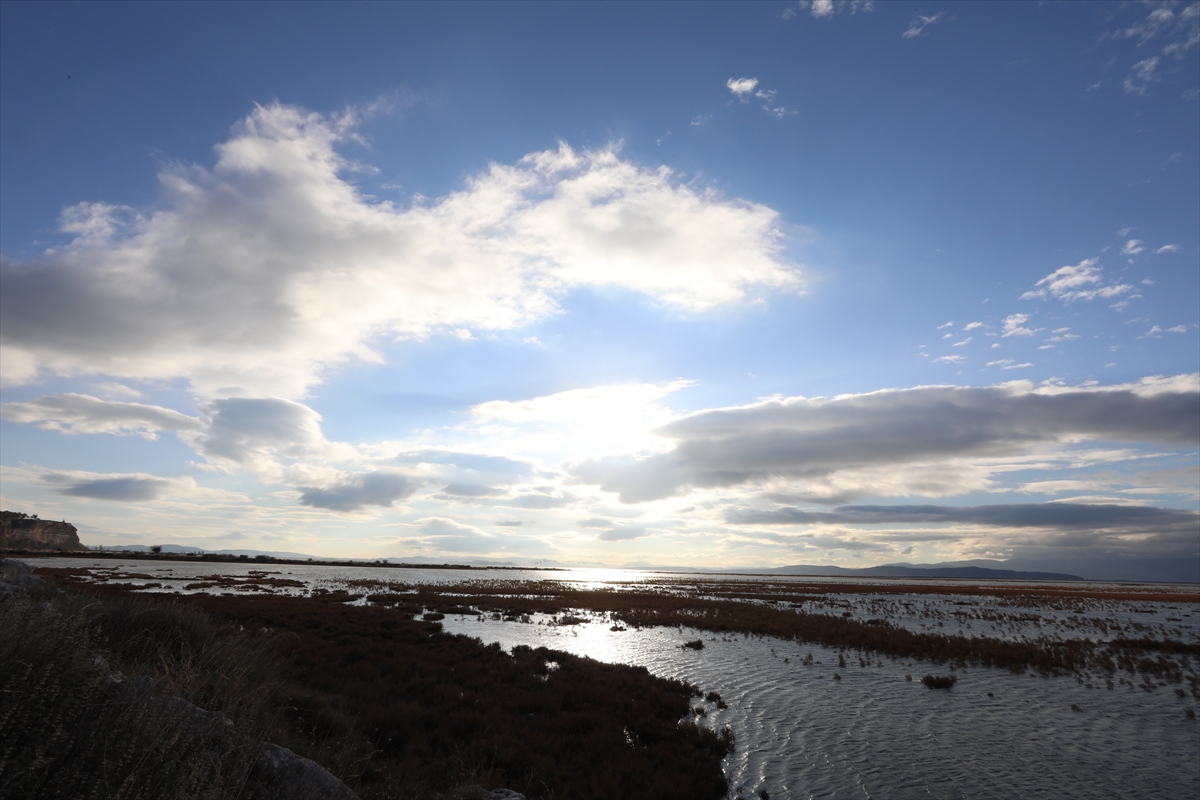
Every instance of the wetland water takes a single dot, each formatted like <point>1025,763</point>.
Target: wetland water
<point>869,732</point>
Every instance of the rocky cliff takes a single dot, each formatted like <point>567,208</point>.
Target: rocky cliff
<point>24,532</point>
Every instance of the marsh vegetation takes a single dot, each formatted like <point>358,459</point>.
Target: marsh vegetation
<point>772,637</point>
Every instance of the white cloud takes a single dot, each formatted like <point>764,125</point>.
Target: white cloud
<point>252,278</point>
<point>81,413</point>
<point>1181,31</point>
<point>1068,283</point>
<point>742,87</point>
<point>1124,232</point>
<point>1008,363</point>
<point>970,326</point>
<point>1141,75</point>
<point>1132,247</point>
<point>1178,329</point>
<point>919,23</point>
<point>1168,248</point>
<point>822,8</point>
<point>963,342</point>
<point>951,359</point>
<point>825,9</point>
<point>949,324</point>
<point>1014,325</point>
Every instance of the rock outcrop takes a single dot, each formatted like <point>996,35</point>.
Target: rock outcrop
<point>22,532</point>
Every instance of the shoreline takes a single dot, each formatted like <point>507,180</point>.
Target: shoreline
<point>222,558</point>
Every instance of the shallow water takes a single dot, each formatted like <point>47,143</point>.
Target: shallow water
<point>870,733</point>
<point>873,734</point>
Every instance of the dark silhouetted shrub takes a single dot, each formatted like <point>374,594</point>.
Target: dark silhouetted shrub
<point>939,681</point>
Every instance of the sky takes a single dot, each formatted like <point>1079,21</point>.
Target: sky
<point>722,285</point>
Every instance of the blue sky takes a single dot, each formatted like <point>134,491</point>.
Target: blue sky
<point>711,284</point>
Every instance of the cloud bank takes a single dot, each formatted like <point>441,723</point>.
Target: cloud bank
<point>833,449</point>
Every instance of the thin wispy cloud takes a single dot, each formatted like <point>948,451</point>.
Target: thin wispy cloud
<point>1014,325</point>
<point>746,88</point>
<point>1008,363</point>
<point>1140,76</point>
<point>1083,281</point>
<point>919,23</point>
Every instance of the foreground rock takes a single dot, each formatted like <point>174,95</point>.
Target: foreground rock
<point>279,772</point>
<point>23,532</point>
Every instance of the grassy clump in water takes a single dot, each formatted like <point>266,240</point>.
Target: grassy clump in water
<point>939,681</point>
